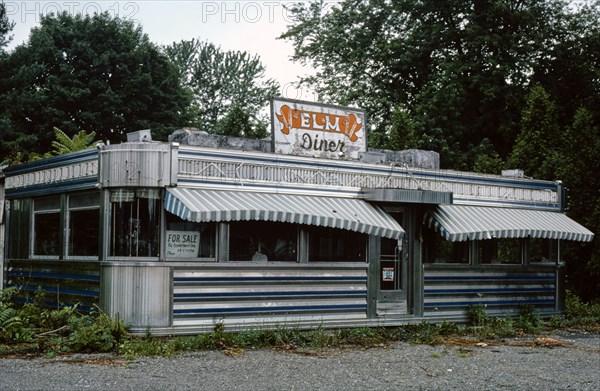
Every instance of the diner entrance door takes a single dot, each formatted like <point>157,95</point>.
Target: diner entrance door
<point>392,279</point>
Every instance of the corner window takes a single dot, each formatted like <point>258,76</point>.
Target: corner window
<point>336,245</point>
<point>187,239</point>
<point>262,241</point>
<point>19,228</point>
<point>46,227</point>
<point>135,220</point>
<point>84,225</point>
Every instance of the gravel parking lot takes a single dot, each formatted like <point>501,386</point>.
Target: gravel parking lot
<point>562,361</point>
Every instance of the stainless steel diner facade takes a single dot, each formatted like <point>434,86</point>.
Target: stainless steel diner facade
<point>176,238</point>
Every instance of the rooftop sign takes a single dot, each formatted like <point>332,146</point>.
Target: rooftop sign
<point>313,129</point>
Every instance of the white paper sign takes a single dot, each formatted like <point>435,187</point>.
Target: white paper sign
<point>183,244</point>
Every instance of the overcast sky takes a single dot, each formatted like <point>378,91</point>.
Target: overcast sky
<point>251,26</point>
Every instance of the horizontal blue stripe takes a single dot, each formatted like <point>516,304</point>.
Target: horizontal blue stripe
<point>70,185</point>
<point>487,303</point>
<point>491,290</point>
<point>548,206</point>
<point>254,279</point>
<point>271,309</point>
<point>549,277</point>
<point>268,294</point>
<point>57,276</point>
<point>75,292</point>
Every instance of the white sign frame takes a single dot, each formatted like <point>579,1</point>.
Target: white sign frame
<point>317,130</point>
<point>182,244</point>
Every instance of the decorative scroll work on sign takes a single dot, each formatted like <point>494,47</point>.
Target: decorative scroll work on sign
<point>316,130</point>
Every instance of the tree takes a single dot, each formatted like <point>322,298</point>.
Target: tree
<point>6,27</point>
<point>578,172</point>
<point>229,89</point>
<point>538,149</point>
<point>461,68</point>
<point>87,72</point>
<point>570,72</point>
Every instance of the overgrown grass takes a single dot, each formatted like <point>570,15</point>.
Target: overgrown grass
<point>34,329</point>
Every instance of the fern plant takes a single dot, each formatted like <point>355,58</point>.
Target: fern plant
<point>65,144</point>
<point>12,328</point>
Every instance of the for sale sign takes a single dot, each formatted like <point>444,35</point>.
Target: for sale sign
<point>182,244</point>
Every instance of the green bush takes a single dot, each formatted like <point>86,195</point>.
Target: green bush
<point>580,314</point>
<point>528,321</point>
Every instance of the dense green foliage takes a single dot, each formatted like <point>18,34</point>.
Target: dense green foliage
<point>229,88</point>
<point>97,73</point>
<point>40,329</point>
<point>35,329</point>
<point>65,144</point>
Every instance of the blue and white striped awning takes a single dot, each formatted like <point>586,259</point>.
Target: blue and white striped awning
<point>461,222</point>
<point>344,213</point>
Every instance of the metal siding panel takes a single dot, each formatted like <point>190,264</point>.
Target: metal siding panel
<point>268,294</point>
<point>451,292</point>
<point>139,295</point>
<point>65,283</point>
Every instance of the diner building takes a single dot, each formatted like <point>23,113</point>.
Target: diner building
<point>308,228</point>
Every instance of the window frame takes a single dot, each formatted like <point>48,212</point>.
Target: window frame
<point>232,225</point>
<point>33,236</point>
<point>67,230</point>
<point>110,229</point>
<point>346,234</point>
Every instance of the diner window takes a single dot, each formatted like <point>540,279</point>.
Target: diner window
<point>84,225</point>
<point>188,239</point>
<point>439,250</point>
<point>135,216</point>
<point>19,228</point>
<point>336,245</point>
<point>500,251</point>
<point>262,241</point>
<point>46,227</point>
<point>543,250</point>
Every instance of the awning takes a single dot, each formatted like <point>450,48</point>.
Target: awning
<point>460,222</point>
<point>344,213</point>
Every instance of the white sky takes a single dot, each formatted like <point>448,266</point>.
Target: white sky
<point>245,25</point>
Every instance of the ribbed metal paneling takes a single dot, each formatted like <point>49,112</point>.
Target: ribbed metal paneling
<point>293,173</point>
<point>137,294</point>
<point>137,164</point>
<point>64,283</point>
<point>448,293</point>
<point>343,213</point>
<point>264,294</point>
<point>461,222</point>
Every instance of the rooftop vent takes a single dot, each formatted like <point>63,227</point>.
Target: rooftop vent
<point>515,173</point>
<point>140,135</point>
